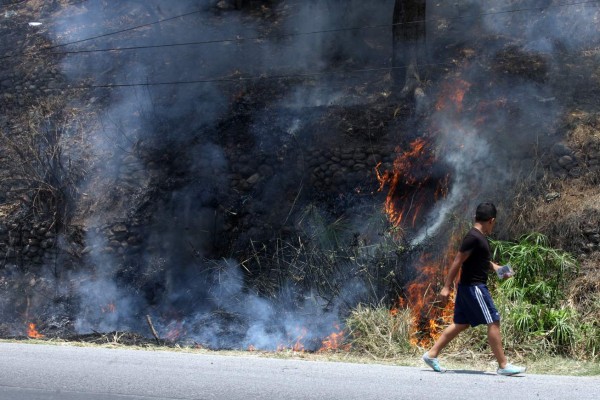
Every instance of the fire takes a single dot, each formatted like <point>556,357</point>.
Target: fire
<point>33,333</point>
<point>412,188</point>
<point>453,94</point>
<point>430,316</point>
<point>295,344</point>
<point>335,341</point>
<point>299,346</point>
<point>407,182</point>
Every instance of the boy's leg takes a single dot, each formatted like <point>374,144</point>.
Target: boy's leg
<point>449,333</point>
<point>495,341</point>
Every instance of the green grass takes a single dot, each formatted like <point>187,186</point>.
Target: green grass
<point>537,315</point>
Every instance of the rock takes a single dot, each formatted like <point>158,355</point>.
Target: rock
<point>359,156</point>
<point>565,161</point>
<point>31,250</point>
<point>552,196</point>
<point>253,179</point>
<point>119,228</point>
<point>561,149</point>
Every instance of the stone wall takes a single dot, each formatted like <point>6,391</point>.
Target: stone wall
<point>27,242</point>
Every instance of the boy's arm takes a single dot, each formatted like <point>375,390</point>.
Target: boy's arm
<point>494,267</point>
<point>452,272</point>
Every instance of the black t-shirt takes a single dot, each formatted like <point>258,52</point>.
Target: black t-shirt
<point>476,267</point>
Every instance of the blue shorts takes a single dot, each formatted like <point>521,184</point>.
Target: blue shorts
<point>474,305</point>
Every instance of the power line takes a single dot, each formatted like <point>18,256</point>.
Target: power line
<point>124,30</point>
<point>265,37</point>
<point>245,79</point>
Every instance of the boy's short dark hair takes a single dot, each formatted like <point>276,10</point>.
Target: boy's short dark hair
<point>485,212</point>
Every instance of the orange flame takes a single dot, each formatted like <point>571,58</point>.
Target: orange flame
<point>410,173</point>
<point>298,345</point>
<point>335,341</point>
<point>33,333</point>
<point>453,94</point>
<point>430,316</point>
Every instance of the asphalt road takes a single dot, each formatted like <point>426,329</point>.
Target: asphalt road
<point>32,372</point>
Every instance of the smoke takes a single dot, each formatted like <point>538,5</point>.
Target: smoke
<point>182,162</point>
<point>170,151</point>
<point>512,102</point>
<point>545,24</point>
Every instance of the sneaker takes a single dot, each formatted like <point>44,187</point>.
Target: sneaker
<point>433,363</point>
<point>510,369</point>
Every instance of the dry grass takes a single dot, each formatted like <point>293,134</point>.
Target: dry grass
<point>380,333</point>
<point>586,128</point>
<point>561,219</point>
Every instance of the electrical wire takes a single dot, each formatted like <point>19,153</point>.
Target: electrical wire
<point>124,30</point>
<point>267,37</point>
<point>245,79</point>
<point>281,36</point>
<point>274,77</point>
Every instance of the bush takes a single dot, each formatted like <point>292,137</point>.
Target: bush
<point>536,316</point>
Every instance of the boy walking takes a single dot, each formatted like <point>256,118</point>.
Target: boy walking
<point>473,304</point>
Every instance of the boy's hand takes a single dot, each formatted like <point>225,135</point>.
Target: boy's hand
<point>445,293</point>
<point>504,272</point>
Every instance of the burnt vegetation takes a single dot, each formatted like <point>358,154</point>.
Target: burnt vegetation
<point>252,191</point>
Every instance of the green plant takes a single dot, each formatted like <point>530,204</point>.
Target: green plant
<point>589,339</point>
<point>541,270</point>
<point>535,314</point>
<point>560,325</point>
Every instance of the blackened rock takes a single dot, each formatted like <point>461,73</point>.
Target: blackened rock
<point>253,179</point>
<point>561,149</point>
<point>565,161</point>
